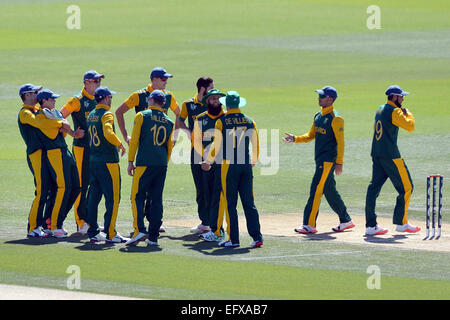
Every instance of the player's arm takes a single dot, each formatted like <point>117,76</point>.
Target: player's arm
<point>170,145</point>
<point>131,102</point>
<point>73,105</point>
<point>42,123</point>
<point>134,142</point>
<point>338,128</point>
<point>180,119</point>
<point>255,145</point>
<point>307,137</point>
<point>108,130</point>
<point>197,138</point>
<point>217,142</point>
<point>174,105</point>
<point>403,119</point>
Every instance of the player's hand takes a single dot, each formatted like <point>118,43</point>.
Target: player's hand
<point>289,138</point>
<point>65,127</point>
<point>127,139</point>
<point>405,111</point>
<point>79,133</point>
<point>122,149</point>
<point>131,168</point>
<point>338,169</point>
<point>205,166</point>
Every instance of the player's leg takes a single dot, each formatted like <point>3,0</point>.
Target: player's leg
<point>202,209</point>
<point>94,195</point>
<point>138,195</point>
<point>230,178</point>
<point>248,203</point>
<point>81,156</point>
<point>334,199</point>
<point>110,185</point>
<point>315,195</point>
<point>379,177</point>
<point>156,189</point>
<point>401,179</point>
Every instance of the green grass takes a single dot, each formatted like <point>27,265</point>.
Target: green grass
<point>275,53</point>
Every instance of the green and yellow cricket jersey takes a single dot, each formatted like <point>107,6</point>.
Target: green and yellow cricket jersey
<point>139,100</point>
<point>234,133</point>
<point>203,131</point>
<point>328,131</point>
<point>190,109</point>
<point>103,141</point>
<point>79,107</point>
<point>152,138</point>
<point>51,138</point>
<point>29,125</point>
<point>388,119</point>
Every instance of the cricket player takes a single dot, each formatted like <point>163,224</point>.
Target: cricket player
<point>104,176</point>
<point>61,165</point>
<point>79,108</point>
<point>232,140</point>
<point>152,139</point>
<point>139,101</point>
<point>190,110</point>
<point>328,131</point>
<point>388,163</point>
<point>36,154</point>
<point>211,183</point>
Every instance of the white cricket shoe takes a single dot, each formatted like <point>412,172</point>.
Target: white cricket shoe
<point>407,228</point>
<point>211,237</point>
<point>37,233</point>
<point>59,233</point>
<point>84,228</point>
<point>98,238</point>
<point>118,238</point>
<point>134,240</point>
<point>373,231</point>
<point>228,244</point>
<point>162,229</point>
<point>344,226</point>
<point>200,229</point>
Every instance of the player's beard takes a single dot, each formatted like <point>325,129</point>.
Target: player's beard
<point>214,110</point>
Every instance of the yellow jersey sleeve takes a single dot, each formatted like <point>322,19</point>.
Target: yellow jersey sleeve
<point>338,128</point>
<point>133,100</point>
<point>403,121</point>
<point>108,130</point>
<point>197,138</point>
<point>170,145</point>
<point>307,137</point>
<point>255,144</point>
<point>73,105</point>
<point>173,102</point>
<point>41,122</point>
<point>135,136</point>
<point>183,113</point>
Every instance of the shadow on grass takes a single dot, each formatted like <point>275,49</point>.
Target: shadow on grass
<point>187,237</point>
<point>140,249</point>
<point>205,247</point>
<point>394,239</point>
<point>319,236</point>
<point>87,246</point>
<point>36,241</point>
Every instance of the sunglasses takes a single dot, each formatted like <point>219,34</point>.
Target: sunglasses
<point>322,96</point>
<point>163,79</point>
<point>95,80</point>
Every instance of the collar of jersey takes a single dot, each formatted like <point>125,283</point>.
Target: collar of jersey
<point>233,110</point>
<point>31,108</point>
<point>150,89</point>
<point>389,102</point>
<point>102,106</point>
<point>327,110</point>
<point>87,94</point>
<point>215,117</point>
<point>156,108</point>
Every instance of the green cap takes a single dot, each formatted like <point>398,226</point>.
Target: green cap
<point>212,92</point>
<point>233,100</point>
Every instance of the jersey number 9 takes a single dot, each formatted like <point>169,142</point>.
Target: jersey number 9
<point>378,130</point>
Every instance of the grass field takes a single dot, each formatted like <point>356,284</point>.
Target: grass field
<point>275,53</point>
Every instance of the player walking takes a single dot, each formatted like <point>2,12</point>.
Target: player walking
<point>328,132</point>
<point>388,163</point>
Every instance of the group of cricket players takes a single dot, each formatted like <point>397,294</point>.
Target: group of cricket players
<point>224,149</point>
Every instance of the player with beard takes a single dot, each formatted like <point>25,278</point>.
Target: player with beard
<point>202,138</point>
<point>388,163</point>
<point>189,111</point>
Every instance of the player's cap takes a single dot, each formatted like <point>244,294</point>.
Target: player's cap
<point>233,100</point>
<point>102,92</point>
<point>158,95</point>
<point>396,90</point>
<point>328,91</point>
<point>46,94</point>
<point>159,72</point>
<point>212,92</point>
<point>28,87</point>
<point>92,75</point>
